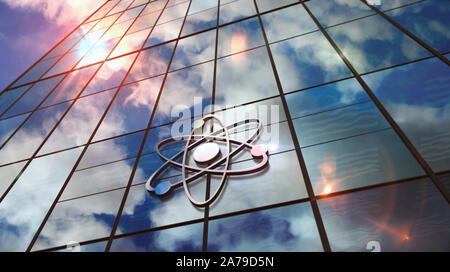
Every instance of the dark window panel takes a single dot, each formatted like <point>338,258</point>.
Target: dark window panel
<point>290,228</point>
<point>181,239</point>
<point>35,190</point>
<point>359,161</point>
<point>36,72</point>
<point>306,61</point>
<point>80,219</point>
<point>410,216</point>
<point>418,98</point>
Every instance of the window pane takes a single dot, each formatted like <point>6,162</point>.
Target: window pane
<point>239,37</point>
<point>165,32</point>
<point>359,161</point>
<point>410,216</point>
<point>35,190</point>
<point>418,98</point>
<point>335,11</point>
<point>290,228</point>
<point>236,10</point>
<point>81,220</point>
<point>265,5</point>
<point>9,97</point>
<point>194,49</point>
<point>200,21</point>
<point>182,239</point>
<point>306,61</point>
<point>8,174</point>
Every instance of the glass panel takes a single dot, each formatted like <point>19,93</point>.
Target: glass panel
<point>36,72</point>
<point>31,99</point>
<point>98,179</point>
<point>165,32</point>
<point>131,109</point>
<point>290,228</point>
<point>335,11</point>
<point>71,86</point>
<point>8,174</point>
<point>200,21</point>
<point>182,239</point>
<point>373,43</point>
<point>174,12</point>
<point>194,49</point>
<point>236,10</point>
<point>359,161</point>
<point>130,14</point>
<point>151,62</point>
<point>121,6</point>
<point>307,61</point>
<point>239,37</point>
<point>287,22</point>
<point>9,97</point>
<point>8,126</point>
<point>111,150</point>
<point>325,98</point>
<point>265,5</point>
<point>428,20</point>
<point>110,74</point>
<point>340,123</point>
<point>144,22</point>
<point>79,123</point>
<point>200,5</point>
<point>410,216</point>
<point>94,247</point>
<point>154,6</point>
<point>418,98</point>
<point>130,43</point>
<point>245,77</point>
<point>144,211</point>
<point>35,190</point>
<point>81,220</point>
<point>282,181</point>
<point>28,138</point>
<point>185,89</point>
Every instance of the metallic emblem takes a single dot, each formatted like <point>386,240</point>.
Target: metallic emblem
<point>207,153</point>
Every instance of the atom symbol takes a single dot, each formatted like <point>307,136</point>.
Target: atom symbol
<point>207,155</point>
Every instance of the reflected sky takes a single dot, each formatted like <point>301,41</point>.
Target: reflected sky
<point>290,228</point>
<point>411,216</point>
<point>418,98</point>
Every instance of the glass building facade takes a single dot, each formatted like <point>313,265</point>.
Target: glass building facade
<point>357,124</point>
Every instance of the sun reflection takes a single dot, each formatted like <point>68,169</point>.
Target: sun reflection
<point>399,233</point>
<point>328,175</point>
<point>238,44</point>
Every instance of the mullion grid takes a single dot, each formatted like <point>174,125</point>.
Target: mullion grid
<point>214,85</point>
<point>36,235</point>
<point>141,148</point>
<point>64,76</point>
<point>31,83</point>
<point>399,132</point>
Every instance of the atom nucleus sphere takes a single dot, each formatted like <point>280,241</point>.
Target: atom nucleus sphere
<point>207,154</point>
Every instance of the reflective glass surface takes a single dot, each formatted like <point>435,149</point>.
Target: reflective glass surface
<point>94,134</point>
